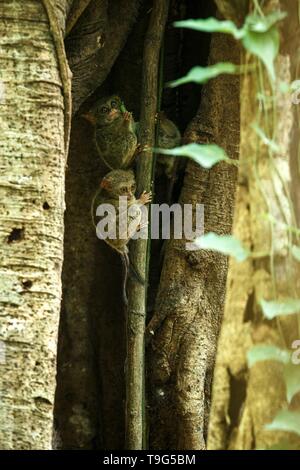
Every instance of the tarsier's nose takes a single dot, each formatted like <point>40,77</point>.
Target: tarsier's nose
<point>113,112</point>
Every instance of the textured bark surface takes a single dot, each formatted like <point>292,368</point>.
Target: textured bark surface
<point>137,300</point>
<point>234,10</point>
<point>291,31</point>
<point>91,359</point>
<point>90,395</point>
<point>190,299</point>
<point>95,43</point>
<point>32,204</point>
<point>245,400</point>
<point>76,407</point>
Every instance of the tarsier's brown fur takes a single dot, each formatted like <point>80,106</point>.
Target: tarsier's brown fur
<point>115,184</point>
<point>115,136</point>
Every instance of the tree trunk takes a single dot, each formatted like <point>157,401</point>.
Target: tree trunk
<point>190,299</point>
<point>95,43</point>
<point>245,400</point>
<point>90,396</point>
<point>32,101</point>
<point>139,251</point>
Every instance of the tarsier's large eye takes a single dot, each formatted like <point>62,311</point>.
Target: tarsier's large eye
<point>124,189</point>
<point>104,109</point>
<point>133,188</point>
<point>114,104</point>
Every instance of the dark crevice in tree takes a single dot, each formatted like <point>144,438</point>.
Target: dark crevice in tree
<point>180,105</point>
<point>234,10</point>
<point>16,235</point>
<point>237,398</point>
<point>27,284</point>
<point>248,315</point>
<point>95,43</point>
<point>75,12</point>
<point>189,306</point>
<point>91,390</point>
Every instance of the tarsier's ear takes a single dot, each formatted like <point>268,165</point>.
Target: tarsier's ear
<point>105,184</point>
<point>161,115</point>
<point>89,117</point>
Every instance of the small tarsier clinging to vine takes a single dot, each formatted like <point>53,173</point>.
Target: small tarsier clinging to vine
<point>115,184</point>
<point>168,137</point>
<point>115,135</point>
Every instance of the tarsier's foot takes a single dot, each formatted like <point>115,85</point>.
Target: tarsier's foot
<point>141,148</point>
<point>145,197</point>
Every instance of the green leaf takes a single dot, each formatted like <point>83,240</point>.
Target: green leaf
<point>203,74</point>
<point>258,24</point>
<point>286,420</point>
<point>211,25</point>
<point>272,309</point>
<point>261,24</point>
<point>270,143</point>
<point>285,87</point>
<point>259,36</point>
<point>292,380</point>
<point>263,45</point>
<point>122,107</point>
<point>283,445</point>
<point>263,352</point>
<point>205,155</point>
<point>226,244</point>
<point>296,252</point>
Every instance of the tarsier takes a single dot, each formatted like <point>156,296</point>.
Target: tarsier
<point>168,137</point>
<point>115,136</point>
<point>122,183</point>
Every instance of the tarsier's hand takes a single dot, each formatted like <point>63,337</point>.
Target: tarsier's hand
<point>157,117</point>
<point>142,148</point>
<point>142,226</point>
<point>145,197</point>
<point>127,116</point>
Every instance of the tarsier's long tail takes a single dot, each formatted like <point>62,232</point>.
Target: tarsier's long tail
<point>130,270</point>
<point>125,261</point>
<point>133,273</point>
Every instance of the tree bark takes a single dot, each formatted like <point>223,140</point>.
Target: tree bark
<point>136,312</point>
<point>32,194</point>
<point>190,300</point>
<point>90,397</point>
<point>245,400</point>
<point>95,43</point>
<point>234,10</point>
<point>77,394</point>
